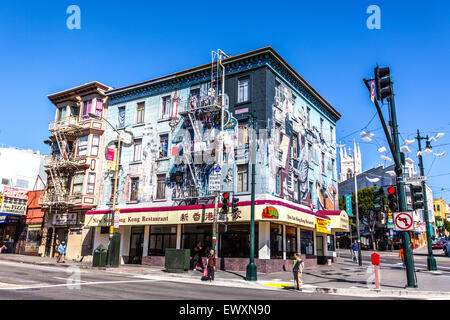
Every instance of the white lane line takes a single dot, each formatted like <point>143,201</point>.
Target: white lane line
<point>76,284</point>
<point>65,279</point>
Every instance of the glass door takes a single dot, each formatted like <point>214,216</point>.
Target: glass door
<point>136,245</point>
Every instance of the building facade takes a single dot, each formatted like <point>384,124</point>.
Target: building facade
<point>173,136</point>
<point>74,168</point>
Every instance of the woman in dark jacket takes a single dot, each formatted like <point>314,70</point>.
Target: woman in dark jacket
<point>211,265</point>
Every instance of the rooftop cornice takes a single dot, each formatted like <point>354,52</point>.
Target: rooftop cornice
<point>72,94</point>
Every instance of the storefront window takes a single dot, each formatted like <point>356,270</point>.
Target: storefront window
<point>33,236</point>
<point>330,243</point>
<point>291,241</point>
<point>276,241</point>
<point>307,242</point>
<point>235,243</point>
<point>162,237</point>
<point>192,234</point>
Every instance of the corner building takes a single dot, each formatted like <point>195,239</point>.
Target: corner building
<point>171,131</point>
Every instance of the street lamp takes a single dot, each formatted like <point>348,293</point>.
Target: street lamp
<point>111,227</point>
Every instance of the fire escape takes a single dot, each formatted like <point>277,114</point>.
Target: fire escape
<point>63,163</point>
<point>201,114</point>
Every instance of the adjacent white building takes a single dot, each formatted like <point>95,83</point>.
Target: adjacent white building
<point>22,169</point>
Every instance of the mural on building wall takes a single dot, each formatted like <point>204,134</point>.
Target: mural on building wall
<point>188,155</point>
<point>289,115</point>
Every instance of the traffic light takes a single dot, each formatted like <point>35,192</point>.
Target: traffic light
<point>234,206</point>
<point>392,198</point>
<point>417,197</point>
<point>378,203</point>
<point>383,83</point>
<point>225,202</point>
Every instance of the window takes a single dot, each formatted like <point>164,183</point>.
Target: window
<point>161,186</point>
<point>243,134</point>
<point>332,169</point>
<point>243,90</point>
<point>86,108</point>
<point>278,182</point>
<point>20,183</point>
<point>306,242</point>
<point>323,162</point>
<point>331,135</point>
<point>61,114</point>
<point>278,135</point>
<point>163,145</point>
<point>166,107</point>
<point>308,117</point>
<point>276,241</point>
<point>310,190</point>
<point>191,234</point>
<point>242,176</point>
<point>291,241</point>
<point>278,90</point>
<point>91,183</point>
<point>140,111</point>
<point>162,237</point>
<point>121,117</point>
<point>137,150</point>
<point>82,145</point>
<point>78,183</point>
<point>99,108</point>
<point>310,152</point>
<point>321,126</point>
<point>330,243</point>
<point>235,242</point>
<point>134,189</point>
<point>33,235</point>
<point>295,145</point>
<point>296,190</point>
<point>95,145</point>
<point>74,111</point>
<point>6,182</point>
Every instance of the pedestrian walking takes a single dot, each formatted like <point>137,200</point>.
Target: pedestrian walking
<point>401,255</point>
<point>62,252</point>
<point>298,271</point>
<point>355,250</point>
<point>211,265</point>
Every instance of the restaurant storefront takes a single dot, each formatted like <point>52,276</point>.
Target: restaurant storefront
<point>281,229</point>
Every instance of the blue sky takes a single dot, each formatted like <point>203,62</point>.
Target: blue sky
<point>327,42</point>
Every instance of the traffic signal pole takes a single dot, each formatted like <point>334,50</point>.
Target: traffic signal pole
<point>406,240</point>
<point>431,261</point>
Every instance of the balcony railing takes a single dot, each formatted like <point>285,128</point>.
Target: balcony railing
<point>202,102</point>
<point>58,161</point>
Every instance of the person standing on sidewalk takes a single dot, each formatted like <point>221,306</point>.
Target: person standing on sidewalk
<point>401,255</point>
<point>62,252</point>
<point>298,271</point>
<point>211,265</point>
<point>355,250</point>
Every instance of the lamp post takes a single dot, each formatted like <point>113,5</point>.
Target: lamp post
<point>116,169</point>
<point>431,261</point>
<point>251,274</point>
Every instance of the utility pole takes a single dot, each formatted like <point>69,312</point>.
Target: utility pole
<point>384,89</point>
<point>357,211</point>
<point>406,239</point>
<point>251,274</point>
<point>431,261</point>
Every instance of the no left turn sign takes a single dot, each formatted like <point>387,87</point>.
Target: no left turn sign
<point>403,221</point>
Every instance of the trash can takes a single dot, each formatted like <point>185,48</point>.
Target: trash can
<point>177,260</point>
<point>99,259</point>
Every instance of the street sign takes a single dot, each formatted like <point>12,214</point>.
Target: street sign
<point>403,221</point>
<point>416,179</point>
<point>217,169</point>
<point>214,182</point>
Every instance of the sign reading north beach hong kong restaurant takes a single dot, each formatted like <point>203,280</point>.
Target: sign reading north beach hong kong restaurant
<point>266,209</point>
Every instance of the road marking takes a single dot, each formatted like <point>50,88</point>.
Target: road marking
<point>60,278</point>
<point>75,284</point>
<point>9,284</point>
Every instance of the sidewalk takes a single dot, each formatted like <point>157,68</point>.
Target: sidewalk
<point>344,278</point>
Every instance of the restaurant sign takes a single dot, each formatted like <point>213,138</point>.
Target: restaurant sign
<point>323,226</point>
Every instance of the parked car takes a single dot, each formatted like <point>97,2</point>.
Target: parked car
<point>438,244</point>
<point>446,248</point>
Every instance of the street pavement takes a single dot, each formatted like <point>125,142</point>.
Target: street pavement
<point>341,279</point>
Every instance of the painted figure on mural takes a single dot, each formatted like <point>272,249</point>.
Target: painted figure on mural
<point>303,167</point>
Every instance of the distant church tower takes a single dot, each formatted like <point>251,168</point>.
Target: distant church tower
<point>346,162</point>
